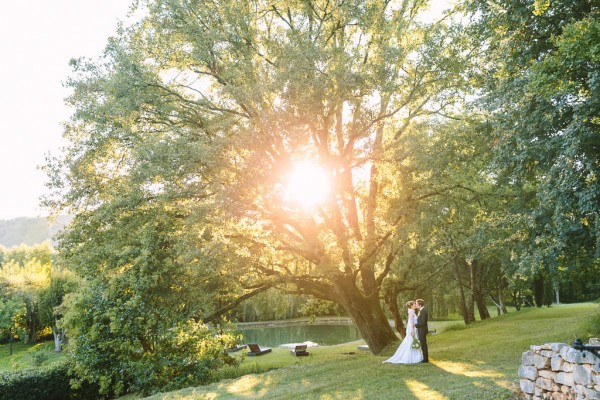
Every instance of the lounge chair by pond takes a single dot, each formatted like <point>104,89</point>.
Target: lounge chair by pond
<point>299,350</point>
<point>256,350</point>
<point>237,348</point>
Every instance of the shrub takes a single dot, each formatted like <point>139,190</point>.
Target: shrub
<point>39,357</point>
<point>187,358</point>
<point>49,383</point>
<point>592,325</point>
<point>183,356</point>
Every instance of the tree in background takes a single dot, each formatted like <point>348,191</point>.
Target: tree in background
<point>24,273</point>
<point>12,319</point>
<point>62,282</point>
<point>541,94</point>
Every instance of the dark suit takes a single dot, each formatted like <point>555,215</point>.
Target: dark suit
<point>422,330</point>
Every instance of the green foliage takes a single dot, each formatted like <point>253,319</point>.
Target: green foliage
<point>131,326</point>
<point>268,306</point>
<point>592,326</point>
<point>314,307</point>
<point>62,282</point>
<point>542,98</point>
<point>39,357</point>
<point>127,344</point>
<point>188,357</point>
<point>50,383</point>
<point>24,274</point>
<point>12,318</point>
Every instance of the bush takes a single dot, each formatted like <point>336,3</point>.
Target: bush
<point>593,325</point>
<point>590,328</point>
<point>39,357</point>
<point>184,355</point>
<point>50,383</point>
<point>186,358</point>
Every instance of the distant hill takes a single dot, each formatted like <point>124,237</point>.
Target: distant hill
<point>30,231</point>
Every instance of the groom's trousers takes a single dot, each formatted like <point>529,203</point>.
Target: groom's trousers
<point>423,339</point>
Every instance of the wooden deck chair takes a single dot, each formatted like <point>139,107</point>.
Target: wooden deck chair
<point>256,350</point>
<point>236,348</point>
<point>299,350</point>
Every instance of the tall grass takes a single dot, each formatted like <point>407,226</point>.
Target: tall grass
<point>477,362</point>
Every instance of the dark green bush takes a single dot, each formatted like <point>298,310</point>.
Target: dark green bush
<point>49,383</point>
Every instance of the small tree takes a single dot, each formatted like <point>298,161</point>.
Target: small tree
<point>12,318</point>
<point>61,283</point>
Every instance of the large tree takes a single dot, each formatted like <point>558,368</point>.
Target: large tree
<point>209,109</point>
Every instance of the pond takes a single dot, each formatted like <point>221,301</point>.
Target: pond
<point>324,335</point>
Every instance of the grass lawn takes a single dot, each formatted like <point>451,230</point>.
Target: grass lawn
<point>23,355</point>
<point>475,362</point>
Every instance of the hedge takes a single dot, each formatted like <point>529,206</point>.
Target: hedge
<point>48,383</point>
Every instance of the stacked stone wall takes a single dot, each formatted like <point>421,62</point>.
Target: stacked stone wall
<point>556,371</point>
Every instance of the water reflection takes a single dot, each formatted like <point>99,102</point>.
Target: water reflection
<point>324,335</point>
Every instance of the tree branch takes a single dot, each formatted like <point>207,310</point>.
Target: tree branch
<point>222,311</point>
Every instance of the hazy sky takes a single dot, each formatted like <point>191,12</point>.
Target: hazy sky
<point>37,40</point>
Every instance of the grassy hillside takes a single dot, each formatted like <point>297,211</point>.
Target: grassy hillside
<point>475,362</point>
<point>24,355</point>
<point>29,231</point>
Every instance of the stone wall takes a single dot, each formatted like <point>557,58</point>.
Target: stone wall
<point>556,371</point>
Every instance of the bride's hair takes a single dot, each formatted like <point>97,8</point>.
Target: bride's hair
<point>409,304</point>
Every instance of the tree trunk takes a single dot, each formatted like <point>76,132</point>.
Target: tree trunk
<point>538,290</point>
<point>392,303</point>
<point>461,293</point>
<point>516,299</point>
<point>497,296</point>
<point>471,308</point>
<point>367,314</point>
<point>10,342</point>
<point>477,289</point>
<point>57,337</point>
<point>500,306</point>
<point>481,307</point>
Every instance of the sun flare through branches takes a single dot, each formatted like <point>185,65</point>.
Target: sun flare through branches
<point>307,185</point>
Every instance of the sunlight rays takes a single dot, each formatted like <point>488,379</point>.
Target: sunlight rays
<point>307,185</point>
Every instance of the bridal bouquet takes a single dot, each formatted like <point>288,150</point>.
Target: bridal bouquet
<point>415,344</point>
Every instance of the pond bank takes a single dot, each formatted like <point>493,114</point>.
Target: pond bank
<point>297,321</point>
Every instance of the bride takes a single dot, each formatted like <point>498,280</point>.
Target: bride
<point>407,353</point>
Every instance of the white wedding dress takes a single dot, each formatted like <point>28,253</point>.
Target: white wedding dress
<point>405,353</point>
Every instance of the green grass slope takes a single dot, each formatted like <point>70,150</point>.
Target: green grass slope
<point>24,356</point>
<point>477,362</point>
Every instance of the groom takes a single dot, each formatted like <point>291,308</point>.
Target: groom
<point>422,329</point>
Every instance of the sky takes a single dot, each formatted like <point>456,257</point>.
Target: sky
<point>37,40</point>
